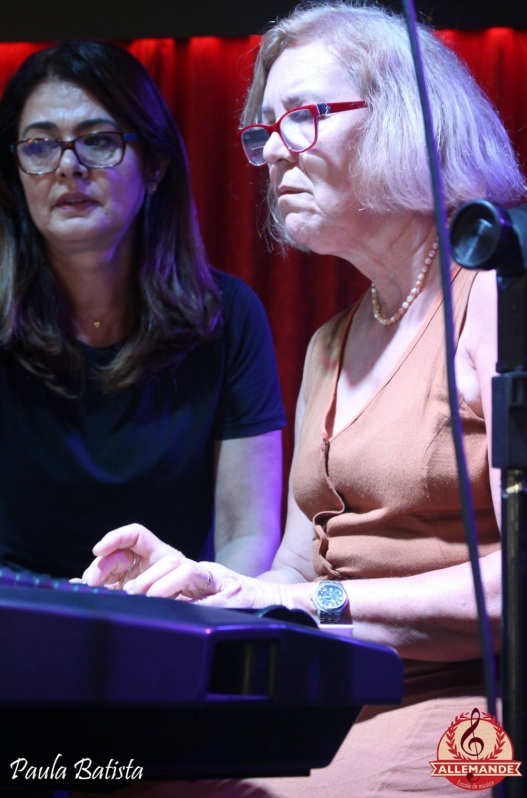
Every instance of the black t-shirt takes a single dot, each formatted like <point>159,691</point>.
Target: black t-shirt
<point>71,470</point>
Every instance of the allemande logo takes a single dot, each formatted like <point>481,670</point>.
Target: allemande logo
<point>475,752</point>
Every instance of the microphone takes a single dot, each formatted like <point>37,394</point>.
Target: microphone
<point>484,235</point>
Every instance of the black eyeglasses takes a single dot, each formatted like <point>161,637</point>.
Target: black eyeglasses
<point>298,129</point>
<point>98,150</point>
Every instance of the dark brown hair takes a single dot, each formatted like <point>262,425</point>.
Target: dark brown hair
<point>177,300</point>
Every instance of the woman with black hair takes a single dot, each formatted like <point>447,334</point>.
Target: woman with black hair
<point>137,385</point>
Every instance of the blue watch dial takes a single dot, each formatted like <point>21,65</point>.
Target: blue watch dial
<point>331,595</point>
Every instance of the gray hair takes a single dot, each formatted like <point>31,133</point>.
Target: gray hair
<point>390,163</point>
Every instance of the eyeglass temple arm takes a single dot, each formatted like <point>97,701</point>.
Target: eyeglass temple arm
<point>329,108</point>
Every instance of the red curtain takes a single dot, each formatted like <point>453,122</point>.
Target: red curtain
<point>204,81</point>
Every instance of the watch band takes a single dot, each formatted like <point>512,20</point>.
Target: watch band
<point>330,616</point>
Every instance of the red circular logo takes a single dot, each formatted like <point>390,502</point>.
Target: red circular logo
<point>475,752</point>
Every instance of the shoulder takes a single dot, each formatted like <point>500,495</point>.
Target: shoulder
<point>482,308</point>
<point>481,324</point>
<point>326,342</point>
<point>246,328</point>
<point>235,294</point>
<point>250,403</point>
<point>324,348</point>
<point>246,332</point>
<point>483,294</point>
<point>334,328</point>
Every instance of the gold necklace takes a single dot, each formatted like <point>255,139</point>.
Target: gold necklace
<point>416,290</point>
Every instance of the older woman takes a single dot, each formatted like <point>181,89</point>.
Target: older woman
<point>137,385</point>
<point>374,512</point>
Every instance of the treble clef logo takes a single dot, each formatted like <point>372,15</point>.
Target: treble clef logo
<point>474,746</point>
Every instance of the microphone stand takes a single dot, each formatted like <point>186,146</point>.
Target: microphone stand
<point>485,236</point>
<point>509,453</point>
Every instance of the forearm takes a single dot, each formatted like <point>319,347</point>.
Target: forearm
<point>248,554</point>
<point>247,499</point>
<point>429,616</point>
<point>283,576</point>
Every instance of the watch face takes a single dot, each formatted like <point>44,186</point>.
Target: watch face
<point>330,595</point>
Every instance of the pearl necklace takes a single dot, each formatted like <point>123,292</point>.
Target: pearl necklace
<point>416,290</point>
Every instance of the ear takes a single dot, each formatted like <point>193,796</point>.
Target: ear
<point>156,171</point>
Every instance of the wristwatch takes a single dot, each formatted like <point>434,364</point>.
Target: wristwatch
<point>330,600</point>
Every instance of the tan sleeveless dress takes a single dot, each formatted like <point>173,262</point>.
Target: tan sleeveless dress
<point>384,497</point>
<point>383,491</point>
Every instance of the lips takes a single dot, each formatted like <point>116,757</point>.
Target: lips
<point>74,200</point>
<point>288,190</point>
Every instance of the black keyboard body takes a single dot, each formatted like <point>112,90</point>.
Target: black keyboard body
<point>185,691</point>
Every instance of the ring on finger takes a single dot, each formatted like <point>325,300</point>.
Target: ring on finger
<point>122,575</point>
<point>208,583</point>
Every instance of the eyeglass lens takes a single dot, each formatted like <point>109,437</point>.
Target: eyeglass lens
<point>95,150</point>
<point>297,128</point>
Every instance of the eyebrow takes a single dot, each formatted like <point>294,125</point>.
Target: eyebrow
<point>49,127</point>
<point>290,102</point>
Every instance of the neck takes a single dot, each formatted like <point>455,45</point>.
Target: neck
<point>97,284</point>
<point>391,253</point>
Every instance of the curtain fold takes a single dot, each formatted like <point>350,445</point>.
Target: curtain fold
<point>204,81</point>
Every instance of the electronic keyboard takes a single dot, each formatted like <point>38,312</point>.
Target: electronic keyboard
<point>185,691</point>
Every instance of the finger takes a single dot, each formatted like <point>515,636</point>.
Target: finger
<point>135,537</point>
<point>207,588</point>
<point>189,580</point>
<point>165,566</point>
<point>107,570</point>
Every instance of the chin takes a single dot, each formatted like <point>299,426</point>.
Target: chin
<point>304,226</point>
<point>77,241</point>
<point>74,229</point>
<point>305,239</point>
<point>297,232</point>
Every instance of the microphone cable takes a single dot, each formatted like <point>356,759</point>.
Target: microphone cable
<point>467,506</point>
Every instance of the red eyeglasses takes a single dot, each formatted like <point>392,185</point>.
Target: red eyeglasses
<point>298,129</point>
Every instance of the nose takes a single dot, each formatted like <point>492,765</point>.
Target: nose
<point>70,166</point>
<point>275,150</point>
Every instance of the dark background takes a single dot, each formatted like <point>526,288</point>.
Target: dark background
<point>45,20</point>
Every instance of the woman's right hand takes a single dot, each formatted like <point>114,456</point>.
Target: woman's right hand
<point>134,559</point>
<point>125,553</point>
